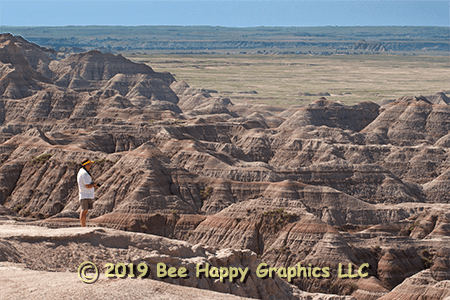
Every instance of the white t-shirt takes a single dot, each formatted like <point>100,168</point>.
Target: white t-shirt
<point>84,178</point>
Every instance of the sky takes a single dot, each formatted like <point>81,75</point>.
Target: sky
<point>229,13</point>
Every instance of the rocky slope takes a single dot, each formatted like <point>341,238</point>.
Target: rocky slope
<point>60,250</point>
<point>325,184</point>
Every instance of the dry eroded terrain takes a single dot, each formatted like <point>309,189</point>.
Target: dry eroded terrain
<point>195,176</point>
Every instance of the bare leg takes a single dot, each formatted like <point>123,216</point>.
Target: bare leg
<point>83,215</point>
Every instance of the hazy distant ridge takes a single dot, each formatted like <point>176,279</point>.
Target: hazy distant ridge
<point>195,38</point>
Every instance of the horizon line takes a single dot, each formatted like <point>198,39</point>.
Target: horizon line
<point>221,26</point>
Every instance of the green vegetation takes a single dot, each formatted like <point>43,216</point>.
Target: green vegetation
<point>284,249</point>
<point>411,228</point>
<point>204,194</point>
<point>41,159</point>
<point>353,287</point>
<point>187,235</point>
<point>26,213</point>
<point>427,258</point>
<point>428,262</point>
<point>100,161</point>
<point>282,216</point>
<point>276,211</point>
<point>18,208</point>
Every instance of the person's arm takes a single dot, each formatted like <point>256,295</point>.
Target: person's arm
<point>90,185</point>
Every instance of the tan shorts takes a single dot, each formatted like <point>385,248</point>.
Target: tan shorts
<point>87,204</point>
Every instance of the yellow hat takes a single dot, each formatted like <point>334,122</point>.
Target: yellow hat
<point>86,163</point>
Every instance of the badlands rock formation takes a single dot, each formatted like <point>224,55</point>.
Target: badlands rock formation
<point>325,184</point>
<point>63,250</point>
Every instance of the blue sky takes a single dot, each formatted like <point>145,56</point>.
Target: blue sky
<point>225,13</point>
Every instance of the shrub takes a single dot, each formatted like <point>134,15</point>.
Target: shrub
<point>426,258</point>
<point>204,194</point>
<point>282,216</point>
<point>26,213</point>
<point>283,249</point>
<point>18,208</point>
<point>413,225</point>
<point>41,159</point>
<point>428,261</point>
<point>100,162</point>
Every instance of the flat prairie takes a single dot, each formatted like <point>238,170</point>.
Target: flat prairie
<point>285,80</point>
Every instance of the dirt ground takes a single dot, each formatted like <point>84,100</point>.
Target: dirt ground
<point>18,282</point>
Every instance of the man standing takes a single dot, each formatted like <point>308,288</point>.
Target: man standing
<point>86,190</point>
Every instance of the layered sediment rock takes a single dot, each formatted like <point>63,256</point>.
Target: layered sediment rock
<point>420,286</point>
<point>326,184</point>
<point>323,112</point>
<point>410,121</point>
<point>65,249</point>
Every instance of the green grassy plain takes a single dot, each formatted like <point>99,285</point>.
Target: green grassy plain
<point>279,79</point>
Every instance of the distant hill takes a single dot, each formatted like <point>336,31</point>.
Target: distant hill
<point>167,39</point>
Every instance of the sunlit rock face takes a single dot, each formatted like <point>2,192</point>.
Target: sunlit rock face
<point>326,184</point>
